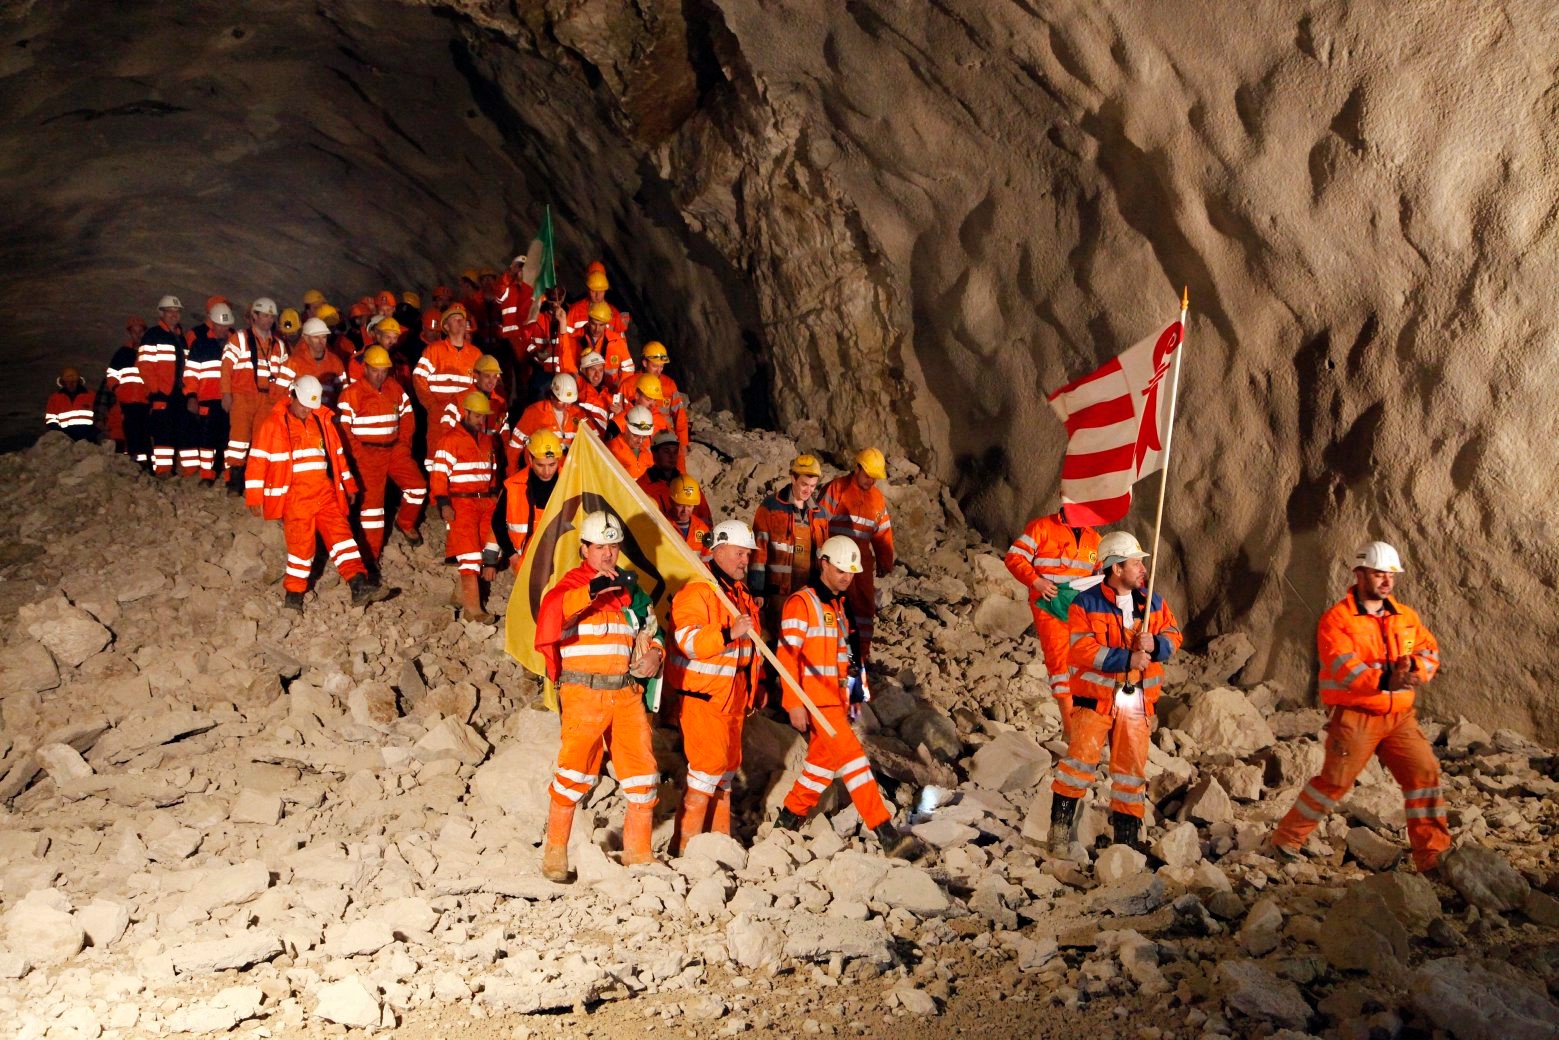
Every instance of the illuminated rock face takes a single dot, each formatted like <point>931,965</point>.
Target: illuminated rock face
<point>904,223</point>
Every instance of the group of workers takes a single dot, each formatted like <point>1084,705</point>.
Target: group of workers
<point>310,417</point>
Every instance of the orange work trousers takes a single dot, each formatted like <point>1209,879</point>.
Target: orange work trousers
<point>598,722</point>
<point>1126,731</point>
<point>839,757</point>
<point>375,467</point>
<point>1055,643</point>
<point>311,518</point>
<point>470,532</point>
<point>1351,738</point>
<point>712,742</point>
<point>860,598</point>
<point>242,422</point>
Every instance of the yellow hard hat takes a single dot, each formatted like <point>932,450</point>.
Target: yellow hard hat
<point>389,325</point>
<point>871,461</point>
<point>477,402</point>
<point>69,373</point>
<point>454,309</point>
<point>684,491</point>
<point>412,299</point>
<point>488,363</point>
<point>544,444</point>
<point>597,282</point>
<point>805,466</point>
<point>601,312</point>
<point>649,385</point>
<point>313,296</point>
<point>655,350</point>
<point>377,357</point>
<point>328,314</point>
<point>471,274</point>
<point>290,320</point>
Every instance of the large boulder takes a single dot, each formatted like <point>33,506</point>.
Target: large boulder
<point>515,779</point>
<point>1475,1000</point>
<point>1222,719</point>
<point>71,634</point>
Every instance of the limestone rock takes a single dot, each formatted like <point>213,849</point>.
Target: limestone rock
<point>1179,845</point>
<point>999,615</point>
<point>1262,929</point>
<point>1475,1000</point>
<point>372,704</point>
<point>1410,898</point>
<point>1013,759</point>
<point>1360,933</point>
<point>851,876</point>
<point>45,934</point>
<point>237,951</point>
<point>62,762</point>
<point>29,667</point>
<point>1224,656</point>
<point>449,739</point>
<point>103,921</point>
<point>1207,802</point>
<point>515,779</point>
<point>915,1001</point>
<point>936,731</point>
<point>1117,863</point>
<point>754,944</point>
<point>1222,719</point>
<point>721,848</point>
<point>809,937</point>
<point>1372,850</point>
<point>912,889</point>
<point>130,738</point>
<point>70,633</point>
<point>1255,992</point>
<point>222,1012</point>
<point>261,807</point>
<point>349,1001</point>
<point>1484,878</point>
<point>1136,894</point>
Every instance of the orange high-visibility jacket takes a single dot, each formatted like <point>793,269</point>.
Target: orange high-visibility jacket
<point>703,659</point>
<point>815,648</point>
<point>538,343</point>
<point>599,404</point>
<point>444,374</point>
<point>160,359</point>
<point>637,463</point>
<point>283,447</point>
<point>380,417</point>
<point>514,300</point>
<point>542,415</point>
<point>246,362</point>
<point>620,418</point>
<point>1048,548</point>
<point>861,516</point>
<point>674,407</point>
<point>1356,649</point>
<point>329,370</point>
<point>124,378</point>
<point>520,510</point>
<point>597,635</point>
<point>203,369</point>
<point>496,422</point>
<point>1100,659</point>
<point>779,527</point>
<point>465,465</point>
<point>579,313</point>
<point>69,411</point>
<point>657,484</point>
<point>697,535</point>
<point>609,344</point>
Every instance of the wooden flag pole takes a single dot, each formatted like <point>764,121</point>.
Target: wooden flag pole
<point>650,509</point>
<point>1169,440</point>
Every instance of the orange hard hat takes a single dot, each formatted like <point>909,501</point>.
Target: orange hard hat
<point>596,267</point>
<point>411,299</point>
<point>135,321</point>
<point>430,319</point>
<point>442,290</point>
<point>212,301</point>
<point>385,299</point>
<point>359,310</point>
<point>455,308</point>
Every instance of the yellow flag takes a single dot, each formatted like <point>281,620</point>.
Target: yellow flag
<point>592,479</point>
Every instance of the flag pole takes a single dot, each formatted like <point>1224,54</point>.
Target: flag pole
<point>665,528</point>
<point>1169,440</point>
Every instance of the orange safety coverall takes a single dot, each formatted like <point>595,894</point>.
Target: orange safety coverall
<point>207,427</point>
<point>814,647</point>
<point>789,537</point>
<point>329,370</point>
<point>1100,662</point>
<point>444,374</point>
<point>514,302</point>
<point>579,313</point>
<point>717,678</point>
<point>72,414</point>
<point>602,708</point>
<point>539,347</point>
<point>696,534</point>
<point>599,403</point>
<point>545,414</point>
<point>657,484</point>
<point>160,361</point>
<point>674,408</point>
<point>1050,548</point>
<point>861,516</point>
<point>496,423</point>
<point>379,426</point>
<point>1356,651</point>
<point>246,374</point>
<point>465,475</point>
<point>609,344</point>
<point>297,474</point>
<point>636,461</point>
<point>521,506</point>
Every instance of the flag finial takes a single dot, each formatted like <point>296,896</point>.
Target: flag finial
<point>1185,298</point>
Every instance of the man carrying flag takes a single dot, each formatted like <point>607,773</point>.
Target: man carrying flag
<point>596,631</point>
<point>1045,558</point>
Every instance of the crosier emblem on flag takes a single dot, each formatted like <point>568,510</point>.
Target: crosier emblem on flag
<point>1119,425</point>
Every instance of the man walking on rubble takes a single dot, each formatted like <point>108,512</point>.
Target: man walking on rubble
<point>1376,654</point>
<point>853,507</point>
<point>1050,552</point>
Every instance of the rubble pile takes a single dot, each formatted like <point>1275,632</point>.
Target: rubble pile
<point>219,815</point>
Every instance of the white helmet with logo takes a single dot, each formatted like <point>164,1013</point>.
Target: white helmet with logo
<point>601,528</point>
<point>564,388</point>
<point>1118,547</point>
<point>732,532</point>
<point>264,305</point>
<point>640,422</point>
<point>1378,556</point>
<point>843,553</point>
<point>315,327</point>
<point>169,302</point>
<point>221,314</point>
<point>308,392</point>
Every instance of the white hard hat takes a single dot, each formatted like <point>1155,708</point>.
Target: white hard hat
<point>315,327</point>
<point>221,314</point>
<point>1378,556</point>
<point>601,528</point>
<point>732,532</point>
<point>1119,546</point>
<point>264,305</point>
<point>664,437</point>
<point>308,391</point>
<point>169,301</point>
<point>640,421</point>
<point>590,359</point>
<point>843,553</point>
<point>564,388</point>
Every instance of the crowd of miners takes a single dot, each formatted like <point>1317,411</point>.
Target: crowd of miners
<point>475,401</point>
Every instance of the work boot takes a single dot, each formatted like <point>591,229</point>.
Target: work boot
<point>471,599</point>
<point>720,819</point>
<point>788,821</point>
<point>690,820</point>
<point>235,481</point>
<point>898,845</point>
<point>638,829</point>
<point>554,851</point>
<point>365,591</point>
<point>1063,815</point>
<point>1287,853</point>
<point>1128,831</point>
<point>293,601</point>
<point>411,534</point>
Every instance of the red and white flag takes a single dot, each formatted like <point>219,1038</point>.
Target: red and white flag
<point>1117,421</point>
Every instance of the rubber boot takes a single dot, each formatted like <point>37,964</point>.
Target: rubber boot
<point>412,535</point>
<point>788,821</point>
<point>554,852</point>
<point>471,599</point>
<point>365,591</point>
<point>691,819</point>
<point>898,845</point>
<point>638,829</point>
<point>293,601</point>
<point>235,481</point>
<point>1128,831</point>
<point>720,819</point>
<point>1063,815</point>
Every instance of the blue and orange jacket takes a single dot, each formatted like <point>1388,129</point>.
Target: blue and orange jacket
<point>1100,657</point>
